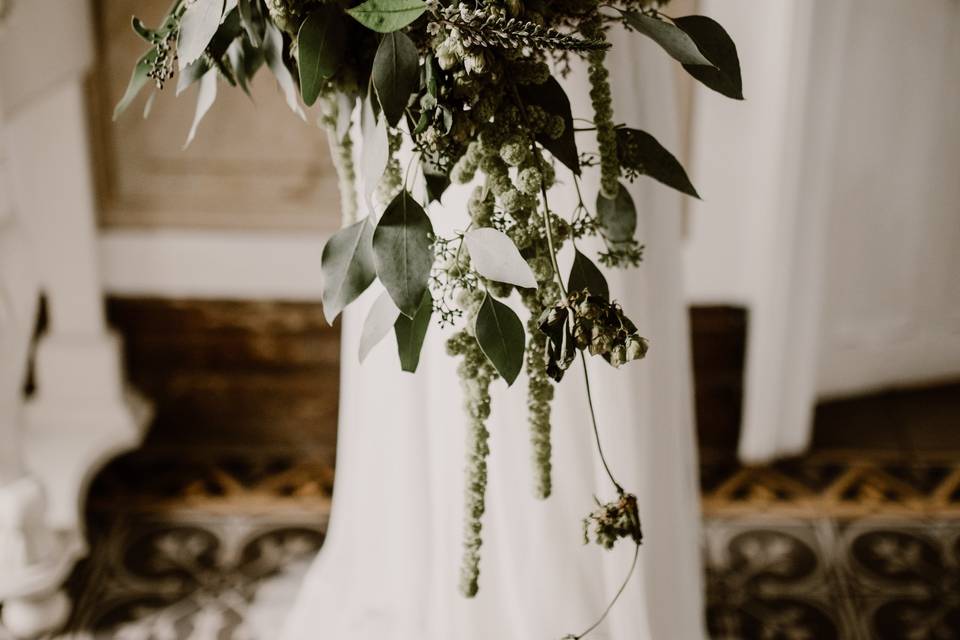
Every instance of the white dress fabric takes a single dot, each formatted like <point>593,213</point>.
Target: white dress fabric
<point>389,568</point>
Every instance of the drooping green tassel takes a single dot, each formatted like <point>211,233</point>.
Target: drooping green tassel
<point>602,102</point>
<point>476,374</point>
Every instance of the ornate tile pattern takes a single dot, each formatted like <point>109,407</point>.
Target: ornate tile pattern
<point>834,546</point>
<point>164,580</point>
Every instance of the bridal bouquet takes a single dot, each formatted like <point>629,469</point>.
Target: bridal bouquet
<point>468,90</point>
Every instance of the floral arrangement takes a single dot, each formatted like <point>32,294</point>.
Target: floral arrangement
<point>467,89</point>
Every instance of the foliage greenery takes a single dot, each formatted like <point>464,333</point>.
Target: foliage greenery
<point>468,90</point>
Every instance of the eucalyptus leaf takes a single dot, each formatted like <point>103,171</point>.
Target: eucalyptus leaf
<point>142,30</point>
<point>321,45</point>
<point>148,105</point>
<point>585,275</point>
<point>654,160</point>
<point>717,46</point>
<point>347,267</point>
<point>396,74</point>
<point>226,34</point>
<point>138,80</point>
<point>551,97</point>
<point>192,73</point>
<point>206,96</point>
<point>403,251</point>
<point>236,55</point>
<point>380,320</point>
<point>500,334</point>
<point>251,19</point>
<point>376,150</point>
<point>273,56</point>
<point>430,72</point>
<point>617,217</point>
<point>385,16</point>
<point>435,180</point>
<point>494,256</point>
<point>197,26</point>
<point>411,332</point>
<point>252,58</point>
<point>672,38</point>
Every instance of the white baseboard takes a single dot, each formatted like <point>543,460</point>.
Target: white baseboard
<point>256,265</point>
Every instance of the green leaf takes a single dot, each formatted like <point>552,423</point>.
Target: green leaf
<point>252,58</point>
<point>227,32</point>
<point>403,253</point>
<point>236,57</point>
<point>500,335</point>
<point>273,56</point>
<point>252,20</point>
<point>410,333</point>
<point>396,74</point>
<point>585,275</point>
<point>551,97</point>
<point>381,318</point>
<point>431,71</point>
<point>199,22</point>
<point>673,39</point>
<point>321,45</point>
<point>142,30</point>
<point>617,217</point>
<point>385,16</point>
<point>653,159</point>
<point>493,255</point>
<point>193,72</point>
<point>347,267</point>
<point>717,46</point>
<point>435,179</point>
<point>138,80</point>
<point>376,149</point>
<point>206,96</point>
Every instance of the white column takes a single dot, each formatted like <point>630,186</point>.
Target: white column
<point>33,559</point>
<point>81,414</point>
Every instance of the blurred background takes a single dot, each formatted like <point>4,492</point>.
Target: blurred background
<point>169,399</point>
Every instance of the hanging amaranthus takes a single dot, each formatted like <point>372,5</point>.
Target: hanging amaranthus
<point>476,375</point>
<point>602,102</point>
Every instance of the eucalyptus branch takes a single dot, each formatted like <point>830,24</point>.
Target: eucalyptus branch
<point>481,28</point>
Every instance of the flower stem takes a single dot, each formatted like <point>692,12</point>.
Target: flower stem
<point>596,431</point>
<point>626,581</point>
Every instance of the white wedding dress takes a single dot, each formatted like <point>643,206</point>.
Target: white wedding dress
<point>389,567</point>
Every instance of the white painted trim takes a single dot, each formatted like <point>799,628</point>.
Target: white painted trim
<point>212,264</point>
